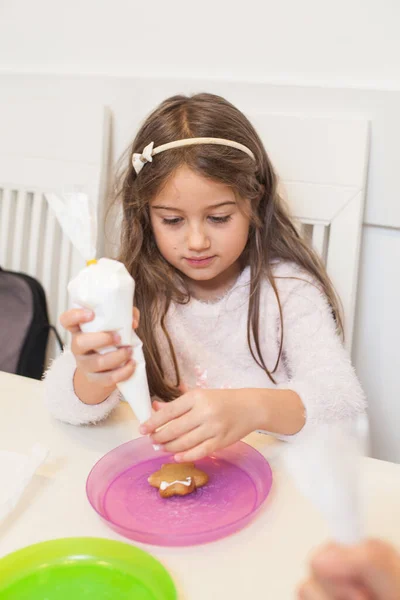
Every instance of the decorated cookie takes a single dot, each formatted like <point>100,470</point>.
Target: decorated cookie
<point>177,479</point>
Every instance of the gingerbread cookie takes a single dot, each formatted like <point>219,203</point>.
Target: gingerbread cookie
<point>175,479</point>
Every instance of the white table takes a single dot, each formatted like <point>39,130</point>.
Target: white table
<point>267,559</point>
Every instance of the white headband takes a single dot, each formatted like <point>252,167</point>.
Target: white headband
<point>139,160</point>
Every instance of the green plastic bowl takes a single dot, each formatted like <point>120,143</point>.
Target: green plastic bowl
<point>83,569</point>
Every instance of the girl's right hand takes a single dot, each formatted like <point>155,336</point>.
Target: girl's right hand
<point>104,370</point>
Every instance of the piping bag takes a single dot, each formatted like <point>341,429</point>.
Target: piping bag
<point>325,465</point>
<point>105,287</point>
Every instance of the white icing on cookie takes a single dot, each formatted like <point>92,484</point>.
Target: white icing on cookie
<point>165,484</point>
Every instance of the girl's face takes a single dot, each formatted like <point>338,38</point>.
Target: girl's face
<point>200,230</point>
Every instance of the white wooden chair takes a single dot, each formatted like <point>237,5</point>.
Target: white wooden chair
<point>48,148</point>
<point>322,163</point>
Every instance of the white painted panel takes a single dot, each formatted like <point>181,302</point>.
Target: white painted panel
<point>320,240</point>
<point>64,273</point>
<point>49,268</point>
<point>376,337</point>
<point>50,175</point>
<point>54,129</point>
<point>343,258</point>
<point>19,233</point>
<point>5,229</point>
<point>35,235</point>
<point>319,150</point>
<point>312,202</point>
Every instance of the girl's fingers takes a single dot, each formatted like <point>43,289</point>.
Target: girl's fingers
<point>361,562</point>
<point>311,590</point>
<point>188,441</point>
<point>201,451</point>
<point>176,428</point>
<point>135,318</point>
<point>82,343</point>
<point>156,405</point>
<point>97,363</point>
<point>183,388</point>
<point>315,589</point>
<point>110,378</point>
<point>72,319</point>
<point>170,411</point>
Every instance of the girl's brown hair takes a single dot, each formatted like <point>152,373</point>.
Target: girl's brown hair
<point>272,233</point>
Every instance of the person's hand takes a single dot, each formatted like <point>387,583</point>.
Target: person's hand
<point>369,571</point>
<point>106,370</point>
<point>200,422</point>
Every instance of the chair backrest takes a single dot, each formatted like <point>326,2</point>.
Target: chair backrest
<point>322,163</point>
<point>51,148</point>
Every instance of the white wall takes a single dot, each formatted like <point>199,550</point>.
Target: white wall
<point>377,349</point>
<point>355,42</point>
<point>351,52</point>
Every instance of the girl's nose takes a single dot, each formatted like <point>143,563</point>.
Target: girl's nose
<point>198,239</point>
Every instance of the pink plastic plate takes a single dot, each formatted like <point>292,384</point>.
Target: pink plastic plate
<point>239,481</point>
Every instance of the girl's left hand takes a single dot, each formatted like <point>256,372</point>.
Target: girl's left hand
<point>201,421</point>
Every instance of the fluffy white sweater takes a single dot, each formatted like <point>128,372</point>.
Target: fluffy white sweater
<point>210,341</point>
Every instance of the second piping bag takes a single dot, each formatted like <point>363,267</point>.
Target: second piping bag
<point>106,288</point>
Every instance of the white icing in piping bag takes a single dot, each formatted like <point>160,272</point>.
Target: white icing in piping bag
<point>105,287</point>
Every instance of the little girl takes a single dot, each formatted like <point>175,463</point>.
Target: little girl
<point>239,321</point>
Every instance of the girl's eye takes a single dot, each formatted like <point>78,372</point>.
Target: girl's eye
<point>174,221</point>
<point>216,220</point>
<point>220,219</point>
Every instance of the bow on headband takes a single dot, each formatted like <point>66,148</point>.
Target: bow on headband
<point>139,160</point>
